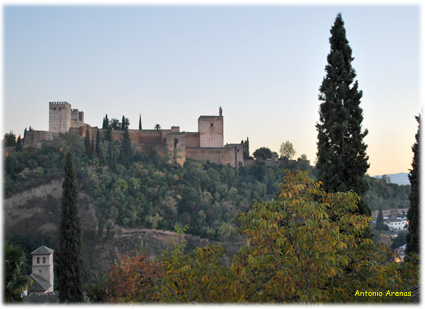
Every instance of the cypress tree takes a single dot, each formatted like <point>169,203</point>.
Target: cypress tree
<point>123,122</point>
<point>70,274</point>
<point>342,160</point>
<point>412,237</point>
<point>126,150</point>
<point>19,144</point>
<point>140,121</point>
<point>380,225</point>
<point>105,124</point>
<point>111,156</point>
<point>87,143</point>
<point>92,147</point>
<point>246,149</point>
<point>98,150</point>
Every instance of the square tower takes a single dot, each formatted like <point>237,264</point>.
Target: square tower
<point>211,131</point>
<point>59,117</point>
<point>42,270</point>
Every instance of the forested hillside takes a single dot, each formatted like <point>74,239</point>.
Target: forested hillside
<point>151,192</point>
<point>386,194</point>
<point>154,193</point>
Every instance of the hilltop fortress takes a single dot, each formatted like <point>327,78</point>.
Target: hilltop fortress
<point>206,144</point>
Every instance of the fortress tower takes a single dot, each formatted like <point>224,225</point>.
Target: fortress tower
<point>59,117</point>
<point>210,130</point>
<point>62,117</point>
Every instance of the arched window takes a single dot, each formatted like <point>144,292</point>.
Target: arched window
<point>38,260</point>
<point>44,260</point>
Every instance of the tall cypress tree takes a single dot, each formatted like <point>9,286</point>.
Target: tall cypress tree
<point>98,150</point>
<point>92,147</point>
<point>87,143</point>
<point>342,160</point>
<point>19,144</point>
<point>70,272</point>
<point>140,121</point>
<point>412,237</point>
<point>126,150</point>
<point>380,225</point>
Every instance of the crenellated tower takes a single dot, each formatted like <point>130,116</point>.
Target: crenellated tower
<point>62,117</point>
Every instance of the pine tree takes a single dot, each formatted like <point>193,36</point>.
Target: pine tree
<point>140,122</point>
<point>70,274</point>
<point>342,160</point>
<point>412,237</point>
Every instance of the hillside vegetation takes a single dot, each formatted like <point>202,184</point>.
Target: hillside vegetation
<point>155,193</point>
<point>152,192</point>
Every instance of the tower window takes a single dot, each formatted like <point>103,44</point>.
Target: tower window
<point>38,260</point>
<point>176,141</point>
<point>54,108</point>
<point>211,124</point>
<point>44,260</point>
<point>39,270</point>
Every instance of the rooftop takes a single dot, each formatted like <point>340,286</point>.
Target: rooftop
<point>43,250</point>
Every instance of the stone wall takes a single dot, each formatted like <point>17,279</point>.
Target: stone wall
<point>217,155</point>
<point>36,138</point>
<point>192,139</point>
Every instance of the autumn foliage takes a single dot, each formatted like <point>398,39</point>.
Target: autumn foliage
<point>307,246</point>
<point>134,279</point>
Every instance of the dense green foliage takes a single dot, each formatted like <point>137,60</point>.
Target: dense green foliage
<point>9,139</point>
<point>412,238</point>
<point>151,192</point>
<point>154,193</point>
<point>69,259</point>
<point>342,160</point>
<point>14,272</point>
<point>387,195</point>
<point>295,252</point>
<point>263,153</point>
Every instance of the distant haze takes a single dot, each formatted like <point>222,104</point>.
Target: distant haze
<point>400,178</point>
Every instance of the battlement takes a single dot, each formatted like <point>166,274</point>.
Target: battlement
<point>59,103</point>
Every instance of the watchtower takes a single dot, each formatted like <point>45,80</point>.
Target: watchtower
<point>210,130</point>
<point>59,117</point>
<point>42,270</point>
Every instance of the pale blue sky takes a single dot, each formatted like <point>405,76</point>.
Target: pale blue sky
<point>262,64</point>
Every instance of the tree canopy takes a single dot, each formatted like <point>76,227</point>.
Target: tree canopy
<point>413,215</point>
<point>287,150</point>
<point>263,153</point>
<point>70,257</point>
<point>342,160</point>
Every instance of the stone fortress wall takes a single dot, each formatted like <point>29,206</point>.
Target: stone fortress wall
<point>206,144</point>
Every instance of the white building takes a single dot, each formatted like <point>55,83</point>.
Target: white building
<point>396,224</point>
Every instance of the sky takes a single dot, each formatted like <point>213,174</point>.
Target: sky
<point>263,64</point>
